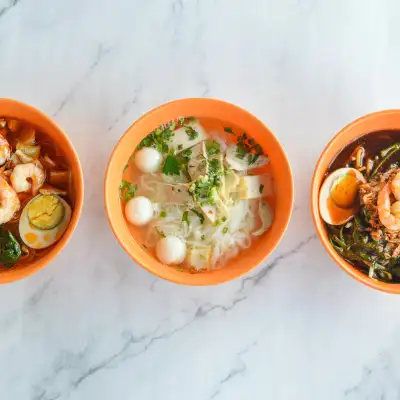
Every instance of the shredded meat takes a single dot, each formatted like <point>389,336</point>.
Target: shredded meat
<point>369,197</point>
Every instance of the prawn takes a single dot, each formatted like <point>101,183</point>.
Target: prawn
<point>32,171</point>
<point>9,201</point>
<point>387,218</point>
<point>5,150</point>
<point>395,186</point>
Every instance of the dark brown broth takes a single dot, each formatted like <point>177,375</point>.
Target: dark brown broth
<point>373,143</point>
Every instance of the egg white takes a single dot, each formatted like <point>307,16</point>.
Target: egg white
<point>37,238</point>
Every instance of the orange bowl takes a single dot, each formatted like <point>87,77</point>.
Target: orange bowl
<point>227,115</point>
<point>14,109</point>
<point>379,121</point>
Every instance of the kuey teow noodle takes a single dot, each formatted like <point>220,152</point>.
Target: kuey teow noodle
<point>35,193</point>
<point>360,203</point>
<point>199,197</point>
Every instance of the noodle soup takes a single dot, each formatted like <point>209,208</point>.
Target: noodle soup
<point>196,193</point>
<point>35,192</point>
<point>359,202</point>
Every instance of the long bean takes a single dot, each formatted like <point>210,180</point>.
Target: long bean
<point>388,152</point>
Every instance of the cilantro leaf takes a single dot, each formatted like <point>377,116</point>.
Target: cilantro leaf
<point>229,130</point>
<point>171,166</point>
<point>127,190</point>
<point>192,133</point>
<point>213,147</point>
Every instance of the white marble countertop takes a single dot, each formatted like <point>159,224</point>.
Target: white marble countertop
<point>93,325</point>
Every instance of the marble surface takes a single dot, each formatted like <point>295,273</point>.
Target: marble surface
<point>93,325</point>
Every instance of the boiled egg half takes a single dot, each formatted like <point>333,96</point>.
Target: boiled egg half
<point>338,197</point>
<point>44,220</point>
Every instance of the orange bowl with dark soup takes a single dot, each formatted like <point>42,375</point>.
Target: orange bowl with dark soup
<point>41,190</point>
<point>355,200</point>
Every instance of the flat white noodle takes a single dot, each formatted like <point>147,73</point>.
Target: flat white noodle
<point>226,240</point>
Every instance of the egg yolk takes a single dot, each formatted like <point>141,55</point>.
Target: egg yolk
<point>344,191</point>
<point>31,237</point>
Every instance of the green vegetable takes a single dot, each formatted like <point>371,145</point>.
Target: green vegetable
<point>171,166</point>
<point>386,154</point>
<point>261,188</point>
<point>229,130</point>
<point>180,146</point>
<point>241,151</point>
<point>199,214</point>
<point>185,217</point>
<point>213,147</point>
<point>10,250</point>
<point>127,190</point>
<point>225,230</point>
<point>192,133</point>
<point>159,138</point>
<point>163,214</point>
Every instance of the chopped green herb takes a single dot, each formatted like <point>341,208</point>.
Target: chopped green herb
<point>185,217</point>
<point>180,147</point>
<point>203,237</point>
<point>171,166</point>
<point>127,190</point>
<point>163,214</point>
<point>241,151</point>
<point>160,232</point>
<point>192,133</point>
<point>125,168</point>
<point>159,138</point>
<point>199,214</point>
<point>10,249</point>
<point>229,130</point>
<point>223,219</point>
<point>213,147</point>
<point>252,158</point>
<point>261,188</point>
<point>180,269</point>
<point>185,155</point>
<point>225,230</point>
<point>218,222</point>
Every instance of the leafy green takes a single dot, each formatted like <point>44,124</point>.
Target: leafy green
<point>10,250</point>
<point>171,166</point>
<point>199,214</point>
<point>186,154</point>
<point>247,146</point>
<point>192,133</point>
<point>127,190</point>
<point>185,217</point>
<point>229,130</point>
<point>213,147</point>
<point>386,154</point>
<point>159,138</point>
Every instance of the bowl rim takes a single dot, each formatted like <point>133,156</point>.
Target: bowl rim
<point>6,277</point>
<point>204,282</point>
<point>393,288</point>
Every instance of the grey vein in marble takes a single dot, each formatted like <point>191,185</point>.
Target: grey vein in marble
<point>126,108</point>
<point>7,8</point>
<point>101,53</point>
